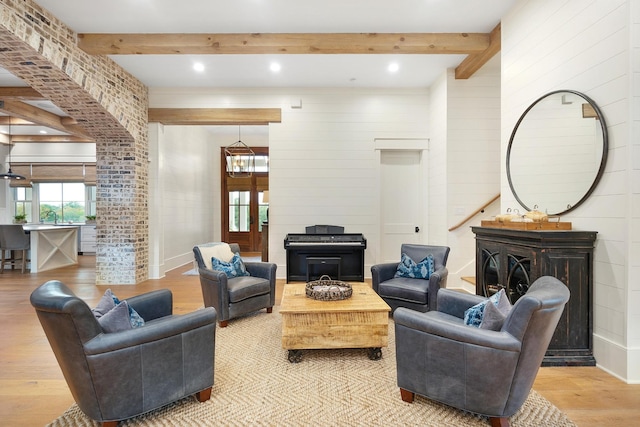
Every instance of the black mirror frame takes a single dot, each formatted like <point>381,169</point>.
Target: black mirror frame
<point>605,149</point>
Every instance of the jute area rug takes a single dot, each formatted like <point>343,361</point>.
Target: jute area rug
<point>255,385</point>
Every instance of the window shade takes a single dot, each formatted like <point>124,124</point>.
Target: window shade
<point>54,172</point>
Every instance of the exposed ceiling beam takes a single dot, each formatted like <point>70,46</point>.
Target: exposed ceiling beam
<point>24,93</point>
<point>49,138</point>
<point>215,116</point>
<point>38,116</point>
<point>474,62</point>
<point>14,121</point>
<point>284,43</point>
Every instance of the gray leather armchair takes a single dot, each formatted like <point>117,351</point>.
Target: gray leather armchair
<point>478,370</point>
<point>239,295</point>
<point>119,375</point>
<point>416,294</point>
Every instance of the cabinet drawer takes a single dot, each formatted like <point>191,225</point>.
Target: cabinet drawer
<point>88,247</point>
<point>88,233</point>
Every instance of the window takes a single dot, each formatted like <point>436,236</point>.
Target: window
<point>62,202</point>
<point>239,216</point>
<point>23,197</point>
<point>91,199</point>
<point>263,208</point>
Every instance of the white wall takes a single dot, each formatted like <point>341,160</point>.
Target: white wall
<point>438,112</point>
<point>181,194</point>
<point>588,46</point>
<point>184,190</point>
<point>633,301</point>
<point>323,164</point>
<point>473,161</point>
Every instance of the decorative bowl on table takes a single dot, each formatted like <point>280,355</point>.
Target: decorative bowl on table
<point>327,289</point>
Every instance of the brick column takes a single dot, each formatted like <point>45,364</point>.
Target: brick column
<point>111,105</point>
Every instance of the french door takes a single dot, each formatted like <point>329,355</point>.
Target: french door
<point>243,207</point>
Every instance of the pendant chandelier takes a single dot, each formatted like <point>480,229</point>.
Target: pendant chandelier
<point>241,160</point>
<point>10,174</point>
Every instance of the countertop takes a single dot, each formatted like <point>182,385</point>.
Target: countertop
<point>42,227</point>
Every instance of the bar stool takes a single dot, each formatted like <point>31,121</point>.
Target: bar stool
<point>13,238</point>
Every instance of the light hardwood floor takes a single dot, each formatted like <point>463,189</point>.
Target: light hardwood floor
<point>33,391</point>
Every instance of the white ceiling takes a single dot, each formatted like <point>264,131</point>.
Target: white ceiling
<point>278,16</point>
<point>282,16</point>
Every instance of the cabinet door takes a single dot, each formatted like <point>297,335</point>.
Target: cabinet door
<point>575,325</point>
<point>519,275</point>
<point>489,270</point>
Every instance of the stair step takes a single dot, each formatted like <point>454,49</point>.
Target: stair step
<point>470,279</point>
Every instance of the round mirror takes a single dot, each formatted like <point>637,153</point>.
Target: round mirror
<point>557,152</point>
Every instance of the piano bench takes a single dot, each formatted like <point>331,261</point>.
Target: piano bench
<point>313,260</point>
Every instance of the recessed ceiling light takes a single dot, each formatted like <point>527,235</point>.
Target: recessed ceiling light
<point>393,67</point>
<point>275,67</point>
<point>43,131</point>
<point>198,66</point>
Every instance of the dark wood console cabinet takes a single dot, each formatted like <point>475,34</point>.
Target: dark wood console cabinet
<point>514,259</point>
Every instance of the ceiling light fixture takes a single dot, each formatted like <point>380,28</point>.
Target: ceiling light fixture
<point>198,66</point>
<point>393,67</point>
<point>275,67</point>
<point>10,174</point>
<point>241,160</point>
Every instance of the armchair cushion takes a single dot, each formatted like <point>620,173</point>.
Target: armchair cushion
<point>242,288</point>
<point>404,289</point>
<point>409,268</point>
<point>233,268</point>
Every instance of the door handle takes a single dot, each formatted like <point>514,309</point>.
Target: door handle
<point>417,229</point>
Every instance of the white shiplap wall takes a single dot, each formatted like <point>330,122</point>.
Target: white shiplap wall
<point>438,161</point>
<point>585,46</point>
<point>473,160</point>
<point>324,167</point>
<point>181,190</point>
<point>633,316</point>
<point>184,189</point>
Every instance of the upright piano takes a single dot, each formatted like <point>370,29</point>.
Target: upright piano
<point>325,249</point>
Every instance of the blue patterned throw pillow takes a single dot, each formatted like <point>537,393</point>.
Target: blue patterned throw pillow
<point>233,268</point>
<point>475,316</point>
<point>409,268</point>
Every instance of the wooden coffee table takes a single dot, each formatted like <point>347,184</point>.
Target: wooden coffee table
<point>361,321</point>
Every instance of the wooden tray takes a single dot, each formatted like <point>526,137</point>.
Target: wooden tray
<point>545,225</point>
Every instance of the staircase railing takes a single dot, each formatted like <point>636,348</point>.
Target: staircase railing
<point>474,213</point>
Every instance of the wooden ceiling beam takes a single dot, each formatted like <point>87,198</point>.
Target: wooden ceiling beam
<point>38,116</point>
<point>284,43</point>
<point>474,62</point>
<point>23,93</point>
<point>49,138</point>
<point>215,116</point>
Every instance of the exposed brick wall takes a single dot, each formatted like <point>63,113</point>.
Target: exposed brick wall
<point>112,106</point>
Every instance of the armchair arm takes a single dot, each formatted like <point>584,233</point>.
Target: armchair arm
<point>382,272</point>
<point>155,331</point>
<point>152,305</point>
<point>445,326</point>
<point>265,270</point>
<point>455,303</point>
<point>437,280</point>
<point>215,292</point>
